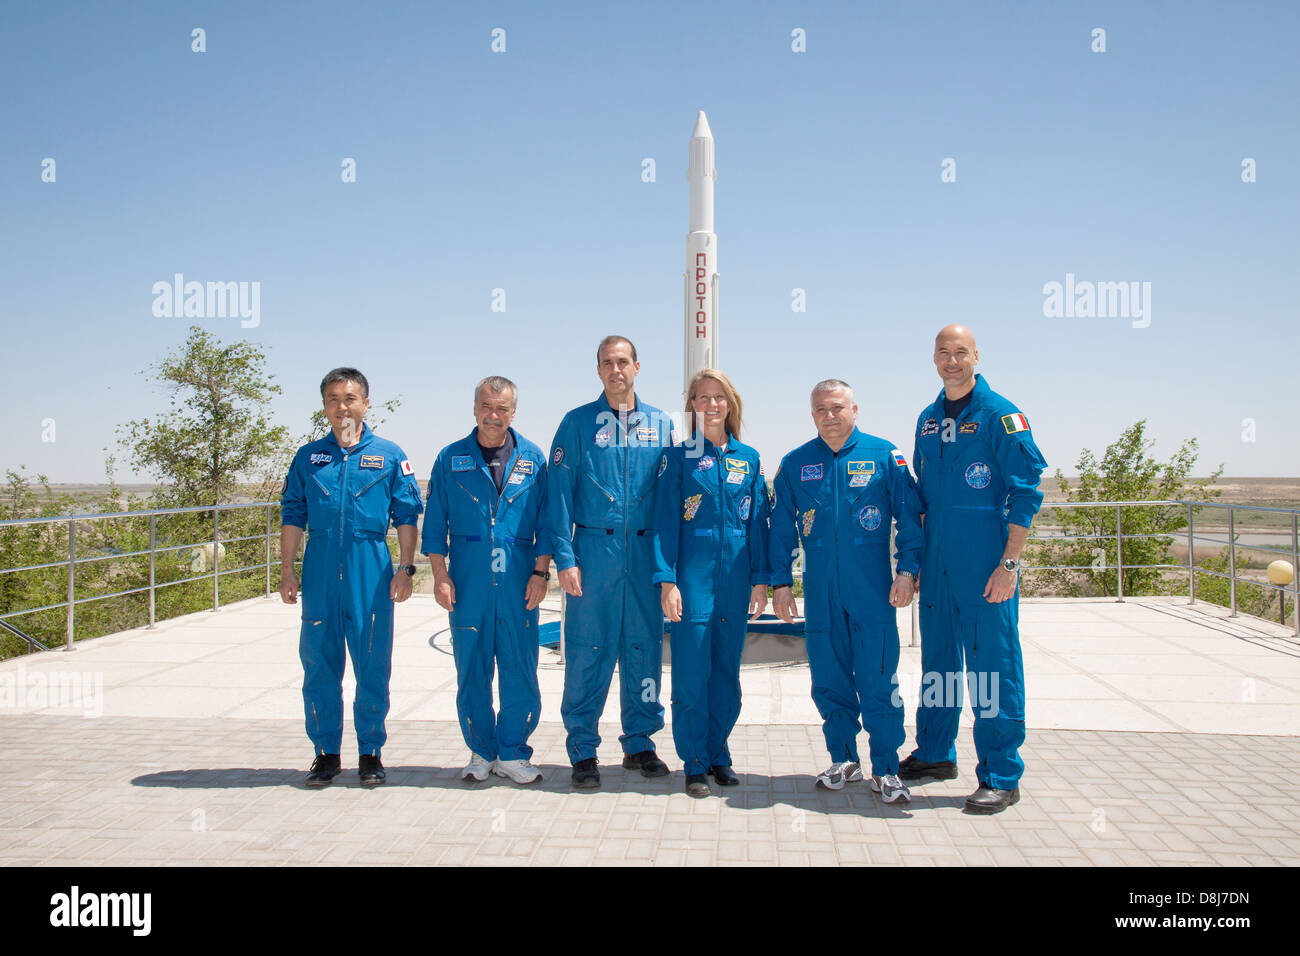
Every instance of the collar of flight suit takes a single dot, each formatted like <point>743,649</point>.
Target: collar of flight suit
<point>978,397</point>
<point>635,410</point>
<point>849,442</point>
<point>366,435</point>
<point>472,440</point>
<point>732,444</point>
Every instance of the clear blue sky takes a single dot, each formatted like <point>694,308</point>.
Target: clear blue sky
<point>522,171</point>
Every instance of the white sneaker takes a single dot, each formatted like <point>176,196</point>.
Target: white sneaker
<point>838,774</point>
<point>478,768</point>
<point>520,771</point>
<point>890,788</point>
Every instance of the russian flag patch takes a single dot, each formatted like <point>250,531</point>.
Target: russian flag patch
<point>899,460</point>
<point>1015,423</point>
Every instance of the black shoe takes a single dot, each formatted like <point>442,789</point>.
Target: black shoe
<point>697,785</point>
<point>370,770</point>
<point>585,774</point>
<point>323,769</point>
<point>646,761</point>
<point>724,776</point>
<point>913,769</point>
<point>988,800</point>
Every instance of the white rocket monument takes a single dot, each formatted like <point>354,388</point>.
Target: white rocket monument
<point>701,279</point>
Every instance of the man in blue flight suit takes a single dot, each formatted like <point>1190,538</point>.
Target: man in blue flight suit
<point>838,494</point>
<point>978,470</point>
<point>600,514</point>
<point>344,489</point>
<point>485,494</point>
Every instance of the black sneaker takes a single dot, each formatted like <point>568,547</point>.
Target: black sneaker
<point>585,774</point>
<point>370,770</point>
<point>646,761</point>
<point>323,770</point>
<point>913,769</point>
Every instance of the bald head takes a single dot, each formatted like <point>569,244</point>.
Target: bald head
<point>955,358</point>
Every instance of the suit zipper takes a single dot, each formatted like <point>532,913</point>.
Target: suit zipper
<point>343,487</point>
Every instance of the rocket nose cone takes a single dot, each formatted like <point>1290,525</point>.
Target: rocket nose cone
<point>701,130</point>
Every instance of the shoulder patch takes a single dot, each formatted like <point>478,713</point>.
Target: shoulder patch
<point>1015,422</point>
<point>899,460</point>
<point>406,468</point>
<point>462,463</point>
<point>690,506</point>
<point>929,427</point>
<point>558,455</point>
<point>663,465</point>
<point>811,472</point>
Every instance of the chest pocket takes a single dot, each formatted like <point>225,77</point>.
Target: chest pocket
<point>323,500</point>
<point>370,504</point>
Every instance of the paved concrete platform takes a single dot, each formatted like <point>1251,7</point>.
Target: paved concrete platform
<point>1159,734</point>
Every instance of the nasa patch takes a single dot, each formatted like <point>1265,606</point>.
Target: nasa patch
<point>745,504</point>
<point>557,456</point>
<point>462,463</point>
<point>321,458</point>
<point>869,518</point>
<point>811,472</point>
<point>929,427</point>
<point>705,463</point>
<point>978,475</point>
<point>602,438</point>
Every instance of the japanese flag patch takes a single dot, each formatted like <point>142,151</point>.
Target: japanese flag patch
<point>406,467</point>
<point>1015,423</point>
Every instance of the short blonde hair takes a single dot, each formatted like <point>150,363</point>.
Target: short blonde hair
<point>734,405</point>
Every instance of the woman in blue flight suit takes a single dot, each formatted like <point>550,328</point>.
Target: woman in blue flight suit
<point>711,562</point>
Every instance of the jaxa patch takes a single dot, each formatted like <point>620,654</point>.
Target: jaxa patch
<point>557,456</point>
<point>705,463</point>
<point>738,465</point>
<point>869,518</point>
<point>899,460</point>
<point>405,467</point>
<point>602,438</point>
<point>1015,423</point>
<point>462,463</point>
<point>321,458</point>
<point>690,506</point>
<point>372,461</point>
<point>663,465</point>
<point>929,427</point>
<point>811,472</point>
<point>745,504</point>
<point>645,434</point>
<point>859,481</point>
<point>524,466</point>
<point>860,467</point>
<point>735,478</point>
<point>968,428</point>
<point>979,475</point>
<point>808,517</point>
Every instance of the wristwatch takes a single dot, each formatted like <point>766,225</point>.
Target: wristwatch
<point>907,574</point>
<point>1010,564</point>
<point>408,568</point>
<point>544,575</point>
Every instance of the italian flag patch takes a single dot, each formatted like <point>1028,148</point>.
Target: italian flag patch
<point>1015,423</point>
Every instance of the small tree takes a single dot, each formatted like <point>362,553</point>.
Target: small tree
<point>218,431</point>
<point>1126,472</point>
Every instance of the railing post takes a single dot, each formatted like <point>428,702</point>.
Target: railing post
<point>72,553</point>
<point>153,543</point>
<point>1119,553</point>
<point>1232,558</point>
<point>1191,561</point>
<point>563,604</point>
<point>916,618</point>
<point>268,550</point>
<point>1295,577</point>
<point>216,561</point>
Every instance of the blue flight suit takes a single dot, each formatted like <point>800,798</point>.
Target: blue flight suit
<point>711,523</point>
<point>600,506</point>
<point>977,474</point>
<point>345,500</point>
<point>841,506</point>
<point>492,551</point>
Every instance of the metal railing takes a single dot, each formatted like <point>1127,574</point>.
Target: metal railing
<point>1189,534</point>
<point>271,535</point>
<point>152,552</point>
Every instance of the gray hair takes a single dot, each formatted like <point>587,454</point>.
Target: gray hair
<point>498,383</point>
<point>830,385</point>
